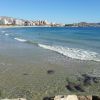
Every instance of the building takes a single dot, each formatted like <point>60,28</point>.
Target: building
<point>19,22</point>
<point>1,22</point>
<point>6,20</point>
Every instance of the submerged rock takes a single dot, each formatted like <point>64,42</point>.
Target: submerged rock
<point>75,84</point>
<point>70,87</point>
<point>95,98</point>
<point>50,72</point>
<point>95,80</point>
<point>25,74</point>
<point>74,87</point>
<point>79,88</point>
<point>89,80</point>
<point>48,98</point>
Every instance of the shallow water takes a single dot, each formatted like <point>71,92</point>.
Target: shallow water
<point>24,63</point>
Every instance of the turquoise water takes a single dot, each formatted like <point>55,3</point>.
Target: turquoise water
<point>76,43</point>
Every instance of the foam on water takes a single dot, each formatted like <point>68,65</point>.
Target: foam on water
<point>3,31</point>
<point>6,34</point>
<point>73,52</point>
<point>26,41</point>
<point>21,40</point>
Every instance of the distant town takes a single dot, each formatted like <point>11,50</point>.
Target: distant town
<point>9,21</point>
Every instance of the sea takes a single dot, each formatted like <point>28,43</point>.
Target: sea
<point>27,53</point>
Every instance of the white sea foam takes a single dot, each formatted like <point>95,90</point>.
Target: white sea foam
<point>6,34</point>
<point>3,31</point>
<point>73,52</point>
<point>20,39</point>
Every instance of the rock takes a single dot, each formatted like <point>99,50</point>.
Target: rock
<point>71,87</point>
<point>48,98</point>
<point>72,97</point>
<point>69,97</point>
<point>95,98</point>
<point>95,80</point>
<point>78,84</point>
<point>74,87</point>
<point>60,97</point>
<point>25,74</point>
<point>79,88</point>
<point>89,80</point>
<point>84,97</point>
<point>50,72</point>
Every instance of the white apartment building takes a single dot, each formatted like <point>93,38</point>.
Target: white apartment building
<point>19,22</point>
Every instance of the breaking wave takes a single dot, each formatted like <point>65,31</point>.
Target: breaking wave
<point>6,34</point>
<point>74,53</point>
<point>20,39</point>
<point>26,41</point>
<point>3,31</point>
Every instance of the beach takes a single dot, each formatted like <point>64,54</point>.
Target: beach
<point>14,26</point>
<point>41,61</point>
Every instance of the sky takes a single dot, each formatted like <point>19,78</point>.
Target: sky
<point>61,11</point>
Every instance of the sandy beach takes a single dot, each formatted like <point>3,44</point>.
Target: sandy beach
<point>20,26</point>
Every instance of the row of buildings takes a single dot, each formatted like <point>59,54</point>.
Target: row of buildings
<point>21,22</point>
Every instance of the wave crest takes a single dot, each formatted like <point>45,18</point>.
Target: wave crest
<point>73,52</point>
<point>21,40</point>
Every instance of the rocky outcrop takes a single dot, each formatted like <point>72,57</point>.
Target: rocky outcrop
<point>64,97</point>
<point>84,97</point>
<point>69,97</point>
<point>72,97</point>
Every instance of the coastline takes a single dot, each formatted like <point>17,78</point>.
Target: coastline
<point>21,26</point>
<point>45,26</point>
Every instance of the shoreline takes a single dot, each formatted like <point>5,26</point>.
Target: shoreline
<point>21,26</point>
<point>38,26</point>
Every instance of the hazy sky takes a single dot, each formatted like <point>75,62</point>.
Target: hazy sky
<point>66,11</point>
